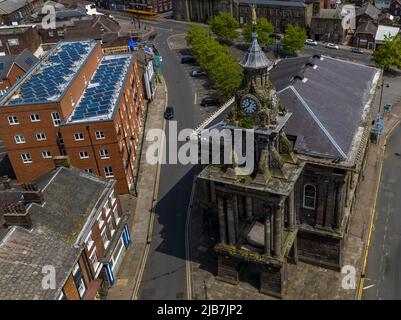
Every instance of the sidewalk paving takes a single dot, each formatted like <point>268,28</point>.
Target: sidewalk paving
<point>306,281</point>
<point>140,207</point>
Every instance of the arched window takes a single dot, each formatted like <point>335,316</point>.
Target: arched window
<point>310,196</point>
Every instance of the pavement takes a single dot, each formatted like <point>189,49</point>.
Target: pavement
<point>140,208</point>
<point>311,282</point>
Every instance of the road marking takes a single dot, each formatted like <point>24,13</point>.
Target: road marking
<point>187,242</point>
<point>152,213</point>
<point>367,287</point>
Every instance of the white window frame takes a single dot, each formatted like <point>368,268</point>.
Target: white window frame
<point>82,288</point>
<point>113,198</point>
<point>35,117</point>
<point>26,158</point>
<point>107,173</point>
<point>79,136</point>
<point>314,197</point>
<point>46,154</point>
<point>100,221</point>
<point>41,136</point>
<point>88,170</point>
<point>56,119</point>
<point>13,120</point>
<point>111,226</point>
<point>19,139</point>
<point>89,241</point>
<point>100,135</point>
<point>13,42</point>
<point>104,154</point>
<point>104,234</point>
<point>117,217</point>
<point>97,263</point>
<point>84,154</point>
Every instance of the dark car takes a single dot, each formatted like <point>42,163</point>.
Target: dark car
<point>209,101</point>
<point>357,50</point>
<point>188,59</point>
<point>169,113</point>
<point>198,73</point>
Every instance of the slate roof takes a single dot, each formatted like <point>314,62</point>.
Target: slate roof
<point>369,10</point>
<point>330,106</point>
<point>60,225</point>
<point>367,27</point>
<point>9,6</point>
<point>25,60</point>
<point>279,3</point>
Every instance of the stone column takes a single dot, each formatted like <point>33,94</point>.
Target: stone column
<point>267,235</point>
<point>222,219</point>
<point>277,230</point>
<point>249,212</point>
<point>230,222</point>
<point>339,212</point>
<point>321,200</point>
<point>236,217</point>
<point>291,210</point>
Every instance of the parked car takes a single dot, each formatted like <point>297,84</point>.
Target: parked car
<point>209,101</point>
<point>198,73</point>
<point>188,59</point>
<point>169,113</point>
<point>310,42</point>
<point>275,36</point>
<point>331,46</point>
<point>356,50</point>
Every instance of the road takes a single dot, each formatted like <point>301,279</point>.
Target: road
<point>364,58</point>
<point>165,274</point>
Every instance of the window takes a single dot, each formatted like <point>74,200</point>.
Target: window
<point>112,198</point>
<point>309,197</point>
<point>46,154</point>
<point>100,221</point>
<point>19,139</point>
<point>111,226</point>
<point>81,287</point>
<point>26,158</point>
<point>94,260</point>
<point>51,34</point>
<point>56,119</point>
<point>89,242</point>
<point>83,155</point>
<point>105,238</point>
<point>13,120</point>
<point>116,215</point>
<point>40,136</point>
<point>13,42</point>
<point>60,33</point>
<point>104,154</point>
<point>108,171</point>
<point>35,117</point>
<point>99,135</point>
<point>107,208</point>
<point>79,136</point>
<point>89,170</point>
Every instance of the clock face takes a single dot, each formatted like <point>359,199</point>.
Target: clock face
<point>248,105</point>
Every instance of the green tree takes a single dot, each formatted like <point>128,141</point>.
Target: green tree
<point>263,28</point>
<point>216,60</point>
<point>389,53</point>
<point>224,26</point>
<point>294,39</point>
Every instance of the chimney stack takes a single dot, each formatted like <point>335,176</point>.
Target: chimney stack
<point>31,193</point>
<point>6,182</point>
<point>15,214</point>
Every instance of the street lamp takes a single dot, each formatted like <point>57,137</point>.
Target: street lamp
<point>381,94</point>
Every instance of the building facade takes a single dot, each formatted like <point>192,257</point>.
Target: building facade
<point>78,104</point>
<point>68,221</point>
<point>395,8</point>
<point>327,26</point>
<point>15,39</point>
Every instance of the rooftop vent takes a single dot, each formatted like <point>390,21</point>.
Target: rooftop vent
<point>310,63</point>
<point>299,76</point>
<point>317,56</point>
<point>15,214</point>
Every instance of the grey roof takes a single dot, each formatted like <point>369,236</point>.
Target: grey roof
<point>279,3</point>
<point>71,197</point>
<point>369,10</point>
<point>330,106</point>
<point>367,27</point>
<point>25,60</point>
<point>9,6</point>
<point>255,57</point>
<point>23,254</point>
<point>70,13</point>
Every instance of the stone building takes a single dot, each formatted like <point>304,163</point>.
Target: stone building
<point>279,13</point>
<point>310,138</point>
<point>327,26</point>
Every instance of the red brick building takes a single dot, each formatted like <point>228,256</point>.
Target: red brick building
<point>13,67</point>
<point>68,226</point>
<point>79,104</point>
<point>15,39</point>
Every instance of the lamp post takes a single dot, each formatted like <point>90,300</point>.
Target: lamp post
<point>381,94</point>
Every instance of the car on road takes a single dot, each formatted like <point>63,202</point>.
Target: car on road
<point>310,42</point>
<point>169,113</point>
<point>198,73</point>
<point>331,46</point>
<point>209,101</point>
<point>356,50</point>
<point>188,59</point>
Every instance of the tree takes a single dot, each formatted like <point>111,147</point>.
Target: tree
<point>388,53</point>
<point>263,28</point>
<point>224,26</point>
<point>216,60</point>
<point>294,39</point>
